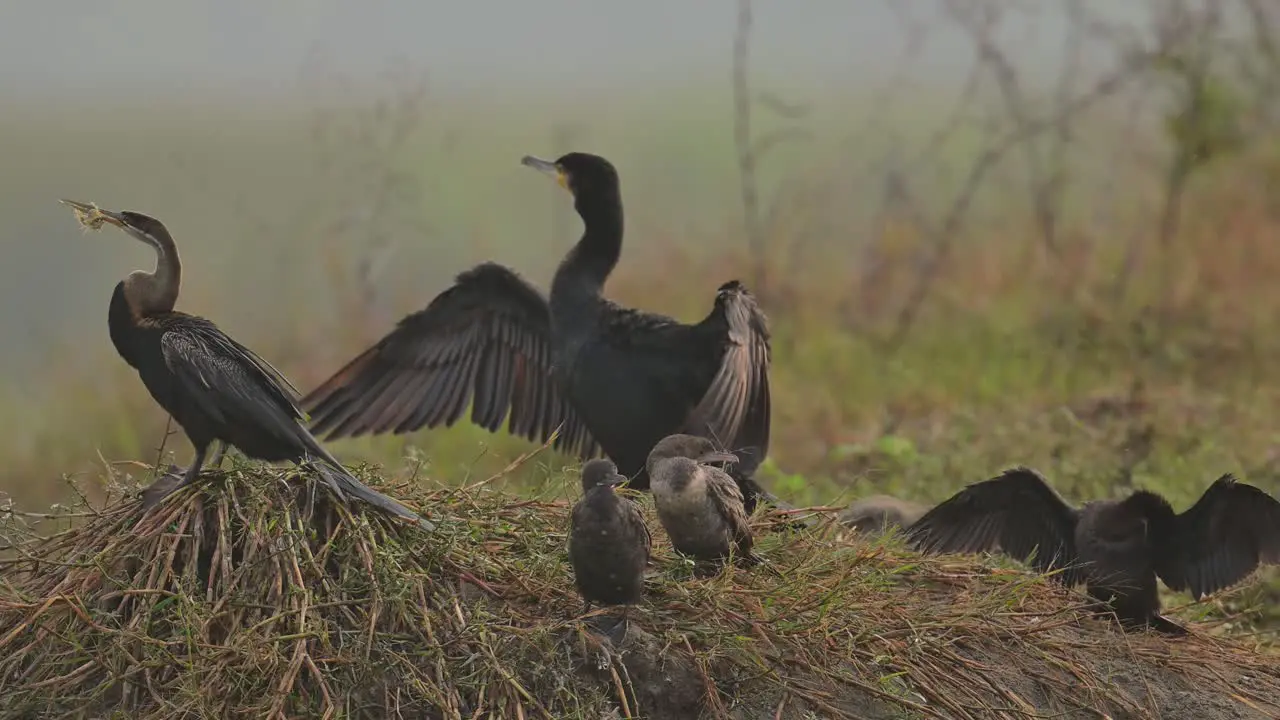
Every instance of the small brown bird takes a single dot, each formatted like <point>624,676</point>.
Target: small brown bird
<point>699,506</point>
<point>608,540</point>
<point>876,513</point>
<point>1116,547</point>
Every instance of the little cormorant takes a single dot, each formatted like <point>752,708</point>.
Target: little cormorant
<point>699,506</point>
<point>1116,547</point>
<point>609,542</point>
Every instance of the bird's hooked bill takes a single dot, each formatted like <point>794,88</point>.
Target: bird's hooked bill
<point>547,168</point>
<point>718,457</point>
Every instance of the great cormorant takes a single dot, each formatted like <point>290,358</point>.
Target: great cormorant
<point>611,375</point>
<point>608,540</point>
<point>699,506</point>
<point>212,386</point>
<point>1116,547</point>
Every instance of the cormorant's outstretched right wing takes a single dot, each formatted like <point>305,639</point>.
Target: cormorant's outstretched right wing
<point>1220,540</point>
<point>486,340</point>
<point>1017,512</point>
<point>736,408</point>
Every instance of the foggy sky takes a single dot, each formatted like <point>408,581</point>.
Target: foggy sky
<point>71,55</point>
<point>64,49</point>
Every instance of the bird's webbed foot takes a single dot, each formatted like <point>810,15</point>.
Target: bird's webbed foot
<point>176,474</point>
<point>175,478</point>
<point>613,627</point>
<point>705,569</point>
<point>163,487</point>
<point>1162,624</point>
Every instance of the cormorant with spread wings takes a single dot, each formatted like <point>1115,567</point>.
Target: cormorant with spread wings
<point>609,377</point>
<point>1116,547</point>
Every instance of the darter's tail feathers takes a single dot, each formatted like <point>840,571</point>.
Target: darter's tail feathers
<point>346,484</point>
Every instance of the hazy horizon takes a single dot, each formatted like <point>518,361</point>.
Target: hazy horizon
<point>58,52</point>
<point>204,114</point>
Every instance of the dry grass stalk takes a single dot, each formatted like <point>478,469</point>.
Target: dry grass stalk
<point>256,595</point>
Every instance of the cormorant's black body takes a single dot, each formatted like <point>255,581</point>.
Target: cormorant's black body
<point>618,379</point>
<point>1117,548</point>
<point>609,542</point>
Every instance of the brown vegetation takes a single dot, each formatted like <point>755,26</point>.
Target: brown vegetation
<point>996,303</point>
<point>257,596</point>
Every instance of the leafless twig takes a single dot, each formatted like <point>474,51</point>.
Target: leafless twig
<point>942,236</point>
<point>750,150</point>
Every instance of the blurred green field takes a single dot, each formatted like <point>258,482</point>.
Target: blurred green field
<point>1017,355</point>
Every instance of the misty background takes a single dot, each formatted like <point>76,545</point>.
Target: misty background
<point>305,153</point>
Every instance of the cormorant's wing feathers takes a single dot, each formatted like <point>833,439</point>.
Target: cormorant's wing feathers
<point>1016,512</point>
<point>485,340</point>
<point>736,408</point>
<point>1221,539</point>
<point>726,496</point>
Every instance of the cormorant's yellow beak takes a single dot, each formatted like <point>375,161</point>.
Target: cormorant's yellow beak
<point>548,168</point>
<point>91,216</point>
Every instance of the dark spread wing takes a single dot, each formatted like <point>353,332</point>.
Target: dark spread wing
<point>1221,539</point>
<point>1015,511</point>
<point>735,410</point>
<point>226,380</point>
<point>727,498</point>
<point>485,340</point>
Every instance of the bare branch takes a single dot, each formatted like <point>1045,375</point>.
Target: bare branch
<point>945,235</point>
<point>742,141</point>
<point>750,151</point>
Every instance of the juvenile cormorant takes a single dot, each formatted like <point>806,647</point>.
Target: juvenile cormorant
<point>615,376</point>
<point>608,540</point>
<point>700,506</point>
<point>214,387</point>
<point>876,513</point>
<point>1116,547</point>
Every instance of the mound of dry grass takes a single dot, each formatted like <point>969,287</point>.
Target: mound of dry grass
<point>257,595</point>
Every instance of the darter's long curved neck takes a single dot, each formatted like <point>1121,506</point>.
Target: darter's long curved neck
<point>157,291</point>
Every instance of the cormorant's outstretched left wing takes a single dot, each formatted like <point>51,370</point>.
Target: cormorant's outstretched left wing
<point>484,341</point>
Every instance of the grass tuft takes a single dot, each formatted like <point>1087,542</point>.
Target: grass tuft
<point>258,595</point>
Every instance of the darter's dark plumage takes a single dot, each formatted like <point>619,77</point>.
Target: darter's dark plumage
<point>214,387</point>
<point>613,376</point>
<point>608,540</point>
<point>699,505</point>
<point>1117,548</point>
